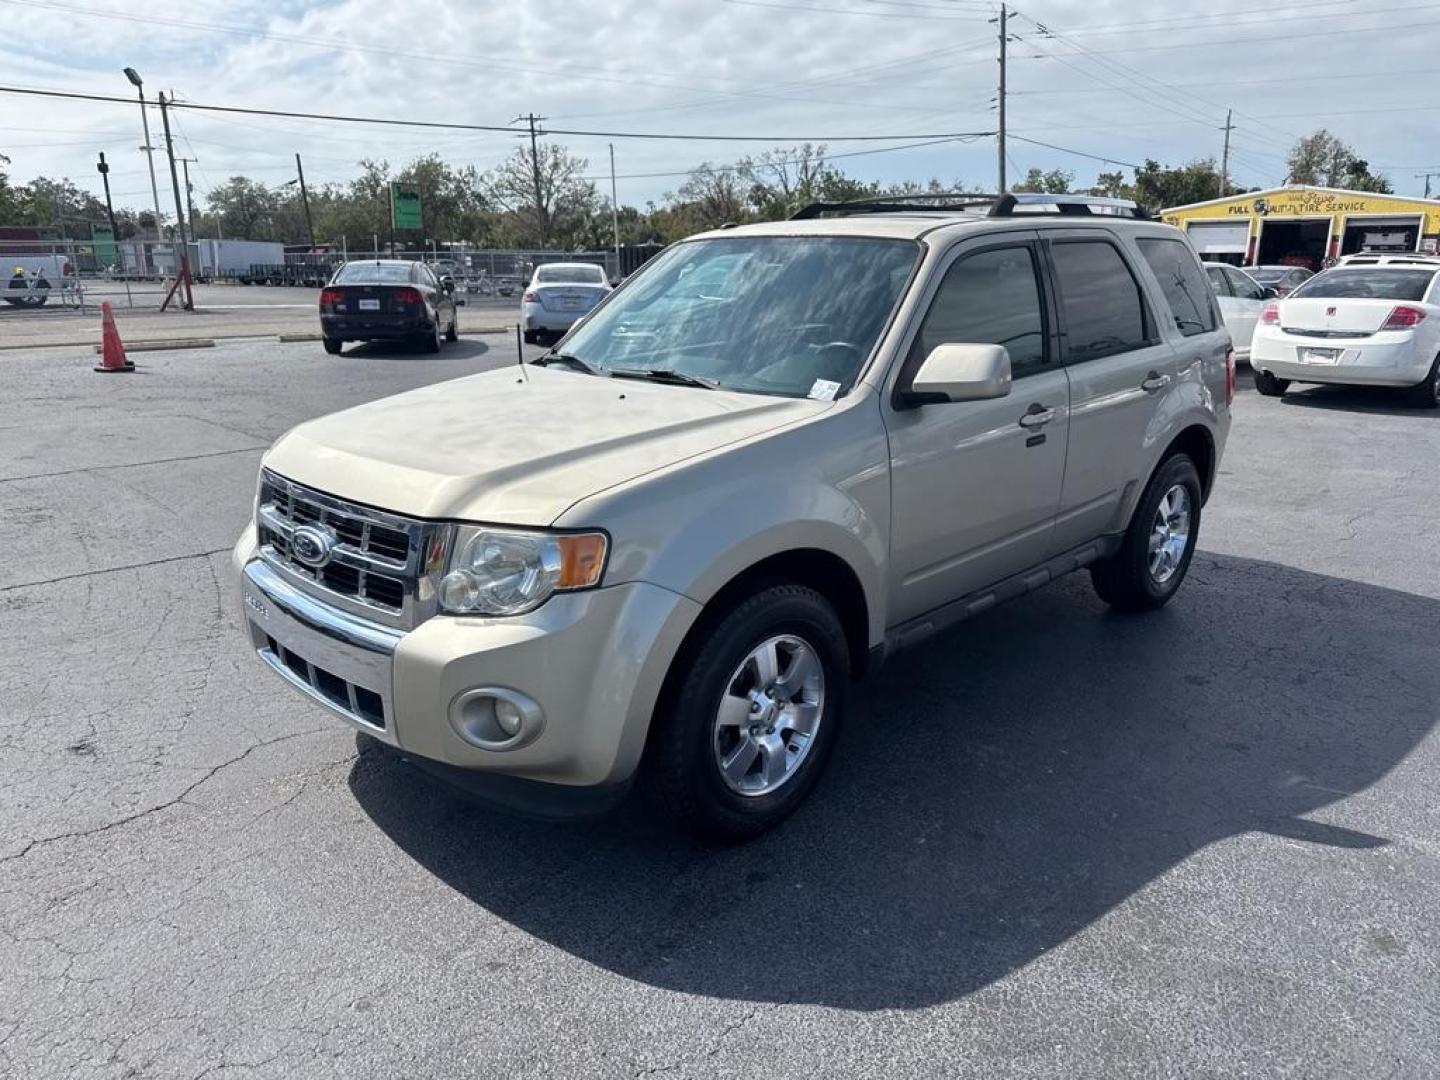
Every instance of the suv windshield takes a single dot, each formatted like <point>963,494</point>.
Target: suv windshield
<point>785,315</point>
<point>551,275</point>
<point>363,273</point>
<point>1379,283</point>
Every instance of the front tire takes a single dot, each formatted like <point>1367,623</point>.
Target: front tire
<point>1426,395</point>
<point>452,332</point>
<point>1155,554</point>
<point>1270,386</point>
<point>746,728</point>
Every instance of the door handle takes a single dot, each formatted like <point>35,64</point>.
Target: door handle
<point>1037,416</point>
<point>1155,382</point>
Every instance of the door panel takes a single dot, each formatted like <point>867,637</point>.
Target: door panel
<point>1114,399</point>
<point>973,490</point>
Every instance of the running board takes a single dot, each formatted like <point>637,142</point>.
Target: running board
<point>923,627</point>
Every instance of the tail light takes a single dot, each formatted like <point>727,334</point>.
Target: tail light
<point>1403,318</point>
<point>531,297</point>
<point>1229,377</point>
<point>1271,315</point>
<point>406,296</point>
<point>330,297</point>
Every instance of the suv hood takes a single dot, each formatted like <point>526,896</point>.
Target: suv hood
<point>493,448</point>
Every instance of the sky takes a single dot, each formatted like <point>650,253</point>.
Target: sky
<point>1118,80</point>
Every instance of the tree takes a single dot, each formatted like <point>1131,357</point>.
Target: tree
<point>782,181</point>
<point>1323,160</point>
<point>244,208</point>
<point>545,195</point>
<point>1113,185</point>
<point>1054,182</point>
<point>710,197</point>
<point>1158,187</point>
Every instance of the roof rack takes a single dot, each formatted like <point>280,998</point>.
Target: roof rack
<point>898,204</point>
<point>1005,205</point>
<point>1068,205</point>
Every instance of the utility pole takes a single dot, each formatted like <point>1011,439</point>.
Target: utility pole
<point>305,199</point>
<point>1427,177</point>
<point>532,119</point>
<point>614,211</point>
<point>184,278</point>
<point>1225,157</point>
<point>1000,135</point>
<point>189,190</point>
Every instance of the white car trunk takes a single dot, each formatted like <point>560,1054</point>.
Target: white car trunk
<point>1336,316</point>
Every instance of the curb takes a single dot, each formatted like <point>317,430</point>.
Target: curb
<point>165,346</point>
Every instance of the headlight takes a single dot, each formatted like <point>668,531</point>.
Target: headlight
<point>507,572</point>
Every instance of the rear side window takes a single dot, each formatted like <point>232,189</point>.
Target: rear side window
<point>1186,291</point>
<point>989,298</point>
<point>1379,283</point>
<point>1101,300</point>
<point>1218,281</point>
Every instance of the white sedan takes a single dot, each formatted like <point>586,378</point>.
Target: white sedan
<point>1370,323</point>
<point>558,295</point>
<point>1242,299</point>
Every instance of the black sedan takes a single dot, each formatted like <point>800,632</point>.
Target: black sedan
<point>387,300</point>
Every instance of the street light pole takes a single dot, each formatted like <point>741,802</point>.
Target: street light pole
<point>138,83</point>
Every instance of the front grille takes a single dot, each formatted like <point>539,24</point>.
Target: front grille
<point>360,703</point>
<point>377,561</point>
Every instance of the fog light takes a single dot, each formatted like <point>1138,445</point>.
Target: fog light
<point>508,717</point>
<point>496,718</point>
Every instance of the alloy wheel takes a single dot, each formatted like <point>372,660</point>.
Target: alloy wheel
<point>769,715</point>
<point>1170,534</point>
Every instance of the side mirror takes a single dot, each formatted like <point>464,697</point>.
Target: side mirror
<point>961,373</point>
<point>448,284</point>
<point>1269,293</point>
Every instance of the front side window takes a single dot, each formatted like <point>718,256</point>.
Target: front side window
<point>795,316</point>
<point>1244,286</point>
<point>1103,308</point>
<point>989,298</point>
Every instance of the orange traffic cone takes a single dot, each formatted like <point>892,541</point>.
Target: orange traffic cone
<point>112,353</point>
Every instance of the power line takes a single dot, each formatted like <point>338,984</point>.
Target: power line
<point>1077,153</point>
<point>1289,37</point>
<point>340,119</point>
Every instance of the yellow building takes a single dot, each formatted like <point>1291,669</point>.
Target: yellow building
<point>1306,226</point>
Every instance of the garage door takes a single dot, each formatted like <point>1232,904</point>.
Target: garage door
<point>1219,237</point>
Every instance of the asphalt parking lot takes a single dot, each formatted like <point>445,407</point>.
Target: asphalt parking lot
<point>1053,843</point>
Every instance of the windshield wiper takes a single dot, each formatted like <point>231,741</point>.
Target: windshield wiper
<point>666,375</point>
<point>568,359</point>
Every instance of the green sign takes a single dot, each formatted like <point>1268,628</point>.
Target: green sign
<point>103,237</point>
<point>405,206</point>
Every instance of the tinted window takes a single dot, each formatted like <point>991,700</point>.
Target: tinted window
<point>1380,283</point>
<point>551,275</point>
<point>1218,281</point>
<point>1101,300</point>
<point>1245,287</point>
<point>990,298</point>
<point>368,273</point>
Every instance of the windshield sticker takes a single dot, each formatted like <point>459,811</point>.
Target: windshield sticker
<point>824,390</point>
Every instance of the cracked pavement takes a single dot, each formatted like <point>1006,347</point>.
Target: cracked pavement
<point>1053,843</point>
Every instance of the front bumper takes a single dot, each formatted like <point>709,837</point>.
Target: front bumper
<point>593,661</point>
<point>1387,358</point>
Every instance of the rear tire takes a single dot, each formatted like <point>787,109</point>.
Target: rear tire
<point>1153,558</point>
<point>1270,386</point>
<point>332,345</point>
<point>531,337</point>
<point>706,767</point>
<point>1426,395</point>
<point>431,341</point>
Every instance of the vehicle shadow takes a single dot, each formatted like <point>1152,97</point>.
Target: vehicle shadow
<point>996,792</point>
<point>395,350</point>
<point>1380,401</point>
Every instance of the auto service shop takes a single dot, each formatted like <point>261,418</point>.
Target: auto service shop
<point>1306,226</point>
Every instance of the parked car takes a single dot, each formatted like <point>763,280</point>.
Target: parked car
<point>558,295</point>
<point>1371,321</point>
<point>1283,279</point>
<point>664,555</point>
<point>1242,299</point>
<point>387,300</point>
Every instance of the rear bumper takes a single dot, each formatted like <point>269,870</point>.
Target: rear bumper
<point>538,317</point>
<point>350,328</point>
<point>1382,359</point>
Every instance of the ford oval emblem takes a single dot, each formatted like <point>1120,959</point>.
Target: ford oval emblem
<point>311,546</point>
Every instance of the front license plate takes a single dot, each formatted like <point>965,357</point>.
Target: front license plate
<point>369,305</point>
<point>1319,356</point>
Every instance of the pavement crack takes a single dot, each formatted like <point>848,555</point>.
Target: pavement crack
<point>114,569</point>
<point>131,465</point>
<point>159,807</point>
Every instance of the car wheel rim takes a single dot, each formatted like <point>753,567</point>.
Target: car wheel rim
<point>1170,534</point>
<point>769,716</point>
